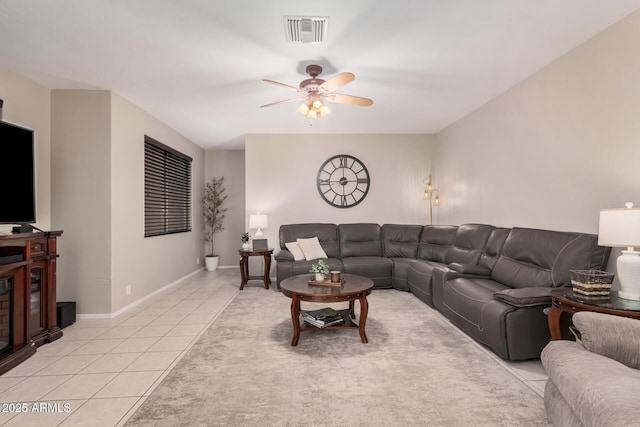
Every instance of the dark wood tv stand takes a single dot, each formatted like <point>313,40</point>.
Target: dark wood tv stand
<point>28,262</point>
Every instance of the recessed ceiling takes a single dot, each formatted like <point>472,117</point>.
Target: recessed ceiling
<point>198,65</point>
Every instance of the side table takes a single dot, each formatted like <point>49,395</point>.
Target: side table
<point>564,300</point>
<point>244,265</point>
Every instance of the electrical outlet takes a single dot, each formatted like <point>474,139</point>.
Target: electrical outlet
<point>198,261</point>
<point>128,290</point>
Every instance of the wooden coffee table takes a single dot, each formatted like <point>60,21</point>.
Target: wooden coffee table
<point>354,288</point>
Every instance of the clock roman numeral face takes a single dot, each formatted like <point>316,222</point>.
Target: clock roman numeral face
<point>343,181</point>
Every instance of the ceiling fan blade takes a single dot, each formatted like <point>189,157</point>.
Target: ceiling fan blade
<point>349,99</point>
<point>336,82</point>
<point>280,84</point>
<point>282,102</point>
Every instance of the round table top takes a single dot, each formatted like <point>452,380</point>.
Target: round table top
<point>613,303</point>
<point>353,284</point>
<point>255,251</point>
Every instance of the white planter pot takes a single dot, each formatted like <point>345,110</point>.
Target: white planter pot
<point>319,277</point>
<point>211,262</point>
<point>246,246</point>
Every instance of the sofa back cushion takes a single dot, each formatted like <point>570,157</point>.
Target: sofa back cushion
<point>468,243</point>
<point>327,235</point>
<point>360,240</point>
<point>435,241</point>
<point>543,258</point>
<point>493,248</point>
<point>400,241</point>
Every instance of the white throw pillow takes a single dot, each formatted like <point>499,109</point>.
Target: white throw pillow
<point>311,248</point>
<point>295,250</point>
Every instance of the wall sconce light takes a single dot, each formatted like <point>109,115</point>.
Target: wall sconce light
<point>431,195</point>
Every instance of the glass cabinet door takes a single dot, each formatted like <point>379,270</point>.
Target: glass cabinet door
<point>37,275</point>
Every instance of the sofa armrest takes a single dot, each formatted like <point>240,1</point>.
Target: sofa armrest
<point>284,255</point>
<point>525,297</point>
<point>442,274</point>
<point>470,269</point>
<point>611,336</point>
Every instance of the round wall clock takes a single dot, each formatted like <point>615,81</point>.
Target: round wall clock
<point>343,181</point>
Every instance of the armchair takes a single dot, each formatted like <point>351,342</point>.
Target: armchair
<point>595,382</point>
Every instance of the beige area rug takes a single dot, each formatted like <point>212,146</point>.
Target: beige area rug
<point>416,371</point>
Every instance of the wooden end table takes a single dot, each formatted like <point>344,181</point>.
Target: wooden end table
<point>244,265</point>
<point>354,288</point>
<point>564,300</point>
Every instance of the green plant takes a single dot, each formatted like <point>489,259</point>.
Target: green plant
<point>320,267</point>
<point>245,237</point>
<point>212,210</point>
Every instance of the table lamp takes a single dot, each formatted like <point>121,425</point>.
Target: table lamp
<point>621,228</point>
<point>258,221</point>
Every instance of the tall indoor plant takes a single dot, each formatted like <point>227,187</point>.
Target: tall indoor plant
<point>213,213</point>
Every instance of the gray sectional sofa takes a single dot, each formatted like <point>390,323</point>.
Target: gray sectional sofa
<point>491,282</point>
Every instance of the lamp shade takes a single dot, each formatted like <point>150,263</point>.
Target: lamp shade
<point>258,221</point>
<point>619,227</point>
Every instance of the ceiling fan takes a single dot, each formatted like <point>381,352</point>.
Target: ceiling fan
<point>314,91</point>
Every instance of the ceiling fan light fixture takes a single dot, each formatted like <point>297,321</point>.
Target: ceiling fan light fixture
<point>316,90</point>
<point>313,108</point>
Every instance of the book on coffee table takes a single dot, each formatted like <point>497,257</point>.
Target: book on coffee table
<point>322,317</point>
<point>322,313</point>
<point>322,323</point>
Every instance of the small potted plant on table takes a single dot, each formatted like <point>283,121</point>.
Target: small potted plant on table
<point>321,269</point>
<point>245,241</point>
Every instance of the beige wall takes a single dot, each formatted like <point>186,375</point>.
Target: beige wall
<point>27,104</point>
<point>554,149</point>
<point>147,264</point>
<point>80,191</point>
<point>98,192</point>
<point>230,165</point>
<point>281,178</point>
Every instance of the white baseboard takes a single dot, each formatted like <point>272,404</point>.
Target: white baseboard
<point>136,302</point>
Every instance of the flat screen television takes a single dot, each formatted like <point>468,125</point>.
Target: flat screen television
<point>17,184</point>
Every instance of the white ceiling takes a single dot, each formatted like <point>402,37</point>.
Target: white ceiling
<point>198,65</point>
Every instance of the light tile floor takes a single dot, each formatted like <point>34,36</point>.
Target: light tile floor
<point>101,370</point>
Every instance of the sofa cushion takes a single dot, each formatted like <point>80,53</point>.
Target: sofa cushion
<point>401,241</point>
<point>468,297</point>
<point>419,279</point>
<point>543,258</point>
<point>358,240</point>
<point>295,251</point>
<point>435,241</point>
<point>327,235</point>
<point>493,248</point>
<point>400,272</point>
<point>311,249</point>
<point>468,243</point>
<point>615,337</point>
<point>378,269</point>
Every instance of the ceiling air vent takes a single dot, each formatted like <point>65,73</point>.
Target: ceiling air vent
<point>306,29</point>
